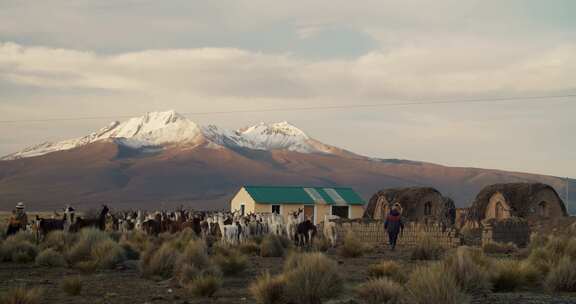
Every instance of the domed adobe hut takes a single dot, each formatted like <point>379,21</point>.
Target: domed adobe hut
<point>419,204</point>
<point>532,201</point>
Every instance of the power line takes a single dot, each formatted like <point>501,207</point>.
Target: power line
<point>325,107</point>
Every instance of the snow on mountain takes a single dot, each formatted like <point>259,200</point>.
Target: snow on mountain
<point>169,128</point>
<point>152,129</point>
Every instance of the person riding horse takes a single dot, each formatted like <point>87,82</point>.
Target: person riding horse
<point>18,221</point>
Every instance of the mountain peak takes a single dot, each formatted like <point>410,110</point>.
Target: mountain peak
<point>282,128</point>
<point>168,128</point>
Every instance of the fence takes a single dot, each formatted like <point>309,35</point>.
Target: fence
<point>372,231</point>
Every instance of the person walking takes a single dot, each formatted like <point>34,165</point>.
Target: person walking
<point>18,220</point>
<point>394,225</point>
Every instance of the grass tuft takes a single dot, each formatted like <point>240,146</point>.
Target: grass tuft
<point>433,284</point>
<point>388,269</point>
<point>268,289</point>
<point>382,290</point>
<point>21,295</point>
<point>72,286</point>
<point>51,258</point>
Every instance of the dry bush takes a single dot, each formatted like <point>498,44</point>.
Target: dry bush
<point>23,236</point>
<point>136,239</point>
<point>382,290</point>
<point>87,240</point>
<point>562,278</point>
<point>21,295</point>
<point>158,261</point>
<point>18,249</point>
<point>232,262</point>
<point>204,285</point>
<point>499,248</point>
<point>352,247</point>
<point>180,240</point>
<point>314,278</point>
<point>542,260</point>
<point>268,289</point>
<point>537,240</point>
<point>195,262</point>
<point>432,285</point>
<point>107,254</point>
<point>472,277</point>
<point>72,286</point>
<point>388,269</point>
<point>321,244</point>
<point>272,246</point>
<point>51,258</point>
<point>59,240</point>
<point>507,275</point>
<point>249,248</point>
<point>427,249</point>
<point>86,267</point>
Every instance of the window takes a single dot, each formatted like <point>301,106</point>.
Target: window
<point>242,209</point>
<point>543,208</point>
<point>340,211</point>
<point>499,210</point>
<point>428,208</point>
<point>276,209</point>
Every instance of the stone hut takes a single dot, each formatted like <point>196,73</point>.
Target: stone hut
<point>419,204</point>
<point>531,201</point>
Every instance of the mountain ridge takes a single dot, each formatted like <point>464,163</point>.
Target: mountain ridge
<point>162,160</point>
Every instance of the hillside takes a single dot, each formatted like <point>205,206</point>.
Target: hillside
<point>162,160</point>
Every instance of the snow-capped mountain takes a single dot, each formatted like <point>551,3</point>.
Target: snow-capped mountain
<point>163,129</point>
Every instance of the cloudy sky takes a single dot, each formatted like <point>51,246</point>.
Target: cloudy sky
<point>81,58</point>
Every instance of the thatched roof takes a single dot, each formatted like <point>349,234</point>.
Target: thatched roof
<point>518,195</point>
<point>407,197</point>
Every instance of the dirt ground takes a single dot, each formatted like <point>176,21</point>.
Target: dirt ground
<point>124,285</point>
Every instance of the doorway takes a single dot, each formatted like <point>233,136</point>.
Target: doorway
<point>341,211</point>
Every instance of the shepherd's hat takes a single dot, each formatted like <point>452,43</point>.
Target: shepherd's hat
<point>20,205</point>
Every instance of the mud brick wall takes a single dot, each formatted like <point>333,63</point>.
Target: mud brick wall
<point>513,230</point>
<point>372,231</point>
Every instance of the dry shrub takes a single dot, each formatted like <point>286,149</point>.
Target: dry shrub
<point>107,254</point>
<point>321,244</point>
<point>272,246</point>
<point>314,278</point>
<point>87,240</point>
<point>543,260</point>
<point>382,290</point>
<point>51,258</point>
<point>18,249</point>
<point>180,240</point>
<point>499,248</point>
<point>507,275</point>
<point>21,295</point>
<point>134,243</point>
<point>59,240</point>
<point>86,267</point>
<point>250,248</point>
<point>72,286</point>
<point>268,289</point>
<point>427,249</point>
<point>204,285</point>
<point>432,285</point>
<point>193,263</point>
<point>232,262</point>
<point>23,236</point>
<point>472,277</point>
<point>352,247</point>
<point>158,261</point>
<point>388,269</point>
<point>562,278</point>
<point>537,240</point>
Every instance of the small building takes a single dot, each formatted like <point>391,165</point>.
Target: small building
<point>316,202</point>
<point>419,204</point>
<point>531,201</point>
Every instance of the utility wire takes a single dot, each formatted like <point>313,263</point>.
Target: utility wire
<point>325,107</point>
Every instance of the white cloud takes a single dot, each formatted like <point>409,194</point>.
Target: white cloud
<point>423,71</point>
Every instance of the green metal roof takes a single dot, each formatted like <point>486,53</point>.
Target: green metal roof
<point>303,195</point>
